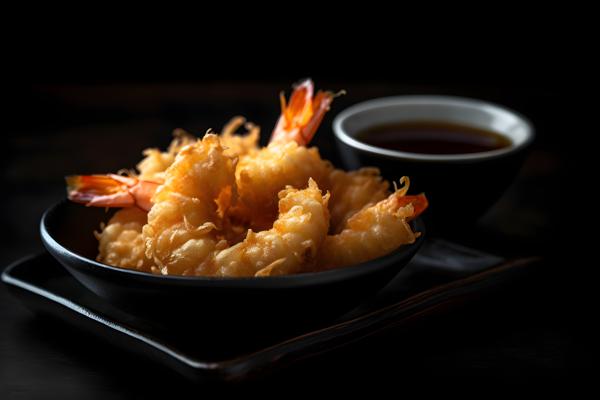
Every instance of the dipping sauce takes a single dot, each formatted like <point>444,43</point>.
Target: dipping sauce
<point>431,137</point>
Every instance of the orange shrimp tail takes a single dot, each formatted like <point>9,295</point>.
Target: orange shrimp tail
<point>419,203</point>
<point>301,117</point>
<point>110,191</point>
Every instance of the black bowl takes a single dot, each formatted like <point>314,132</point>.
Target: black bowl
<point>66,231</point>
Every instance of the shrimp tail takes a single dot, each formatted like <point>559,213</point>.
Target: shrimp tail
<point>301,117</point>
<point>110,191</point>
<point>419,203</point>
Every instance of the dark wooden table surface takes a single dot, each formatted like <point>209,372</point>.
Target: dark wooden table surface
<point>534,330</point>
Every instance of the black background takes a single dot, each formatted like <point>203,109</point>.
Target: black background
<point>91,104</point>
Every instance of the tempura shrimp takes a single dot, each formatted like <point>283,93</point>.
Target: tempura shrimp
<point>287,161</point>
<point>373,232</point>
<point>188,208</point>
<point>290,246</point>
<point>260,176</point>
<point>120,243</point>
<point>351,192</point>
<point>113,190</point>
<point>222,206</point>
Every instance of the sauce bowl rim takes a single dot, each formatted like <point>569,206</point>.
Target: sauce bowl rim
<point>441,100</point>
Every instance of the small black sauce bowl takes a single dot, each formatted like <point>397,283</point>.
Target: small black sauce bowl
<point>460,187</point>
<point>67,232</point>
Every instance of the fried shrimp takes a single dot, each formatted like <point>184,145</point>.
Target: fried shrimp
<point>290,246</point>
<point>372,232</point>
<point>223,206</point>
<point>351,192</point>
<point>188,208</point>
<point>260,176</point>
<point>113,190</point>
<point>281,164</point>
<point>121,243</point>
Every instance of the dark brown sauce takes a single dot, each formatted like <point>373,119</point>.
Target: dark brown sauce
<point>429,137</point>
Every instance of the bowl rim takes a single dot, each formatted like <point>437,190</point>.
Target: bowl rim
<point>61,252</point>
<point>433,99</point>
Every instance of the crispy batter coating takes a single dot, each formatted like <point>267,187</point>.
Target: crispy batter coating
<point>351,192</point>
<point>370,233</point>
<point>121,243</point>
<point>290,246</point>
<point>262,174</point>
<point>188,208</point>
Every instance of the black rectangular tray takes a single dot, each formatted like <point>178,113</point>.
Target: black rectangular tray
<point>443,273</point>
